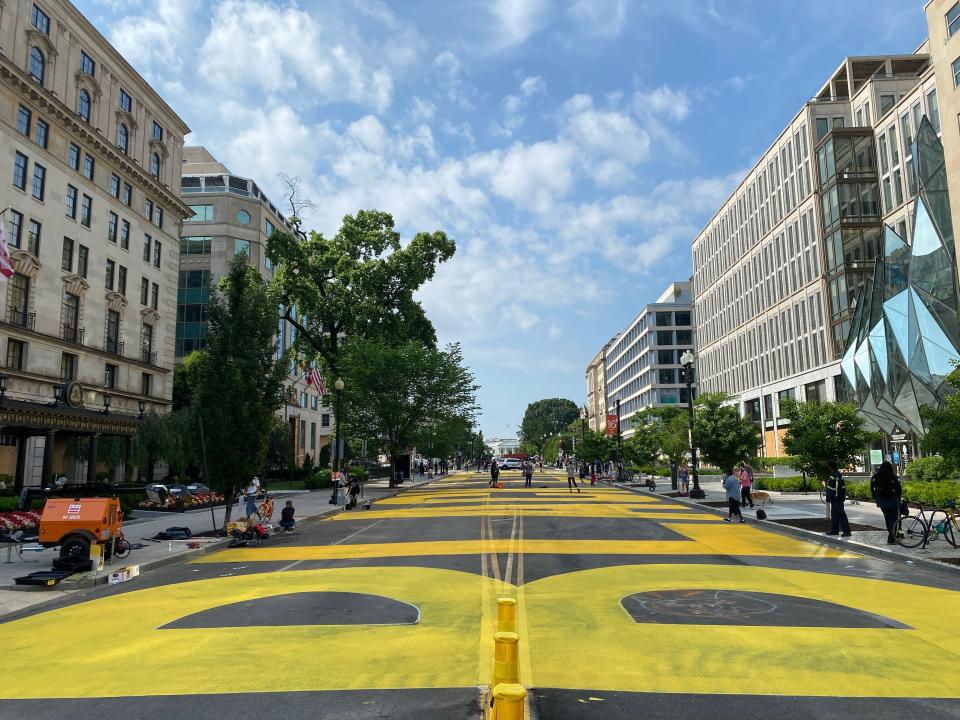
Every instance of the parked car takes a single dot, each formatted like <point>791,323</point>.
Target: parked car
<point>510,463</point>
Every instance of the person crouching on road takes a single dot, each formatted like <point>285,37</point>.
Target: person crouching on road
<point>836,495</point>
<point>494,474</point>
<point>286,517</point>
<point>745,482</point>
<point>886,490</point>
<point>571,476</point>
<point>732,485</point>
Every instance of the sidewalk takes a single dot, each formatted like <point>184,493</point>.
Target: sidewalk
<point>310,506</point>
<point>796,506</point>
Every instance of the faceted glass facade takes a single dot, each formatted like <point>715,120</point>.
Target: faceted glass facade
<point>905,338</point>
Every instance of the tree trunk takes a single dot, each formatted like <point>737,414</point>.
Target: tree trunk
<point>393,469</point>
<point>231,497</point>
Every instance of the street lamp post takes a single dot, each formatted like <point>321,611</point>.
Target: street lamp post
<point>583,423</point>
<point>687,361</point>
<point>338,409</point>
<point>619,444</point>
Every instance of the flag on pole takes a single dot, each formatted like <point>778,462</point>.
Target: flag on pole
<point>6,262</point>
<point>316,379</point>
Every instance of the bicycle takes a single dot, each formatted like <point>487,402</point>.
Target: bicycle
<point>121,546</point>
<point>915,530</point>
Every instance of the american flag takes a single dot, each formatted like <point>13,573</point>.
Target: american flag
<point>316,379</point>
<point>6,262</point>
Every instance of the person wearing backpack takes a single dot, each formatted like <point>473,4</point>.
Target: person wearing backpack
<point>886,490</point>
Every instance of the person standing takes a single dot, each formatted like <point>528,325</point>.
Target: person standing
<point>528,474</point>
<point>593,474</point>
<point>253,489</point>
<point>494,474</point>
<point>571,476</point>
<point>746,482</point>
<point>684,477</point>
<point>886,490</point>
<point>836,494</point>
<point>732,485</point>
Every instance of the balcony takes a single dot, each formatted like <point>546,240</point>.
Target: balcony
<point>113,345</point>
<point>73,334</point>
<point>147,356</point>
<point>21,318</point>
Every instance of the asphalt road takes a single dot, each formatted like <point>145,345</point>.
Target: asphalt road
<point>628,606</point>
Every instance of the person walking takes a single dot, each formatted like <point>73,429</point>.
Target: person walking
<point>583,473</point>
<point>528,474</point>
<point>571,476</point>
<point>746,482</point>
<point>494,474</point>
<point>732,485</point>
<point>886,490</point>
<point>684,477</point>
<point>836,494</point>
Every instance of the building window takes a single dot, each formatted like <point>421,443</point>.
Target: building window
<point>201,213</point>
<point>39,180</point>
<point>146,344</point>
<point>115,185</point>
<point>953,19</point>
<point>146,383</point>
<point>123,138</point>
<point>71,317</point>
<point>87,65</point>
<point>195,245</point>
<point>148,209</point>
<point>71,204</point>
<point>88,166</point>
<point>268,228</point>
<point>16,351</point>
<point>38,64</point>
<point>16,228</point>
<point>83,104</point>
<point>147,244</point>
<point>144,291</point>
<point>68,367</point>
<point>157,131</point>
<point>155,165</point>
<point>303,434</point>
<point>19,300</point>
<point>157,252</point>
<point>682,318</point>
<point>86,210</point>
<point>20,171</point>
<point>110,270</point>
<point>158,217</point>
<point>243,217</point>
<point>23,121</point>
<point>127,194</point>
<point>112,332</point>
<point>73,159</point>
<point>325,420</point>
<point>109,376</point>
<point>155,296</point>
<point>124,101</point>
<point>41,21</point>
<point>664,337</point>
<point>241,246</point>
<point>43,131</point>
<point>313,436</point>
<point>112,228</point>
<point>83,254</point>
<point>303,400</point>
<point>933,109</point>
<point>122,280</point>
<point>313,402</point>
<point>66,261</point>
<point>33,238</point>
<point>125,234</point>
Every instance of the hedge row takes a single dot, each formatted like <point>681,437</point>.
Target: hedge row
<point>934,494</point>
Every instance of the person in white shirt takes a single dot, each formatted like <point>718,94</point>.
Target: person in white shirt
<point>253,489</point>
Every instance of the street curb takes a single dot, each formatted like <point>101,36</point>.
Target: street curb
<point>159,563</point>
<point>876,553</point>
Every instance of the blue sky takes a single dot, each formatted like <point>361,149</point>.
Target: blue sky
<point>573,148</point>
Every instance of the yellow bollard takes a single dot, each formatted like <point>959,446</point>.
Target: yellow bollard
<point>506,615</point>
<point>508,701</point>
<point>505,666</point>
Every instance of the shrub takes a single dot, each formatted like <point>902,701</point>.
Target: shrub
<point>321,479</point>
<point>937,494</point>
<point>8,503</point>
<point>928,469</point>
<point>361,474</point>
<point>786,484</point>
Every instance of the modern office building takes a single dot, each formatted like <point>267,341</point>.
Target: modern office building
<point>91,161</point>
<point>642,364</point>
<point>779,270</point>
<point>230,215</point>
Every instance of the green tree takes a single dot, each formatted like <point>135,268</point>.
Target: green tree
<point>821,432</point>
<point>358,284</point>
<point>642,447</point>
<point>722,436</point>
<point>151,444</point>
<point>672,429</point>
<point>240,379</point>
<point>596,446</point>
<point>943,425</point>
<point>397,392</point>
<point>185,380</point>
<point>545,417</point>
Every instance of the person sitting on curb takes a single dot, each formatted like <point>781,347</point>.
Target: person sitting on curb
<point>286,517</point>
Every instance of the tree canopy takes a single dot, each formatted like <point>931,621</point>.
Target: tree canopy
<point>545,417</point>
<point>722,436</point>
<point>821,432</point>
<point>943,425</point>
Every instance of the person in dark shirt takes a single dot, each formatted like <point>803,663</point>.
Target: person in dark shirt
<point>836,494</point>
<point>286,517</point>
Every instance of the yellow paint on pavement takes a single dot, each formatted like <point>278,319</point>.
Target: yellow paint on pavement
<point>569,510</point>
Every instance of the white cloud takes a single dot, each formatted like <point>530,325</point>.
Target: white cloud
<point>611,142</point>
<point>663,101</point>
<point>152,42</point>
<point>530,176</point>
<point>422,110</point>
<point>517,20</point>
<point>286,50</point>
<point>448,64</point>
<point>532,86</point>
<point>601,18</point>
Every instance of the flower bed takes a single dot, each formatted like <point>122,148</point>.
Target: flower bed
<point>19,520</point>
<point>190,502</point>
